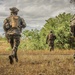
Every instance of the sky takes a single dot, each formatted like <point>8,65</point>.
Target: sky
<point>34,12</point>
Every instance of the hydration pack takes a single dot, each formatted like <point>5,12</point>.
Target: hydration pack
<point>15,21</point>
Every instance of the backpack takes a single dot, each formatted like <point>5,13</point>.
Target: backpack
<point>15,22</point>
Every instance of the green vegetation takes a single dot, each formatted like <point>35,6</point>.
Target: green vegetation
<point>2,38</point>
<point>36,40</point>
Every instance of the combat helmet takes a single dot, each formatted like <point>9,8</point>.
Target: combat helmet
<point>14,9</point>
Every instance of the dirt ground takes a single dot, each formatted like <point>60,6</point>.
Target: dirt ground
<point>39,62</point>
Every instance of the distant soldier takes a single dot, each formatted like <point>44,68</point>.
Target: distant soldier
<point>13,27</point>
<point>50,40</point>
<point>73,25</point>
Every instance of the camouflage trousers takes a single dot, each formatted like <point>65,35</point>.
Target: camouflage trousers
<point>51,45</point>
<point>14,41</point>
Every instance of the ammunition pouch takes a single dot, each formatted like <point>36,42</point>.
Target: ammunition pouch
<point>14,31</point>
<point>7,26</point>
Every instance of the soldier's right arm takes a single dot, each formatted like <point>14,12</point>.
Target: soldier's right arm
<point>6,25</point>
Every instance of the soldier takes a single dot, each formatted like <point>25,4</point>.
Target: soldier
<point>13,27</point>
<point>73,25</point>
<point>50,40</point>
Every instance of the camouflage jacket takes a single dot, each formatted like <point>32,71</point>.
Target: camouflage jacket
<point>50,37</point>
<point>9,29</point>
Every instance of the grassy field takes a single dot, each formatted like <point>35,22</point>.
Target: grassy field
<point>39,62</point>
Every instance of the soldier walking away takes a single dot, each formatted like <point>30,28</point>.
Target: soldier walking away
<point>50,40</point>
<point>13,27</point>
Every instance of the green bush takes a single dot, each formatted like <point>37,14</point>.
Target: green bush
<point>60,25</point>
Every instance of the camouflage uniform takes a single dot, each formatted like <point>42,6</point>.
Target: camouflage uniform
<point>73,25</point>
<point>13,31</point>
<point>50,40</point>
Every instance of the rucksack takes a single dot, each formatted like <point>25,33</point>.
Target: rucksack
<point>14,21</point>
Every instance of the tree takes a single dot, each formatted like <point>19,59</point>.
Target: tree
<point>60,25</point>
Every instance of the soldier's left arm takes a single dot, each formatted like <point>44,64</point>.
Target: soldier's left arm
<point>23,23</point>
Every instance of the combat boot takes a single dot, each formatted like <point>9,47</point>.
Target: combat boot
<point>11,59</point>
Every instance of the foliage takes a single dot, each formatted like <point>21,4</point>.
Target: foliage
<point>2,38</point>
<point>60,25</point>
